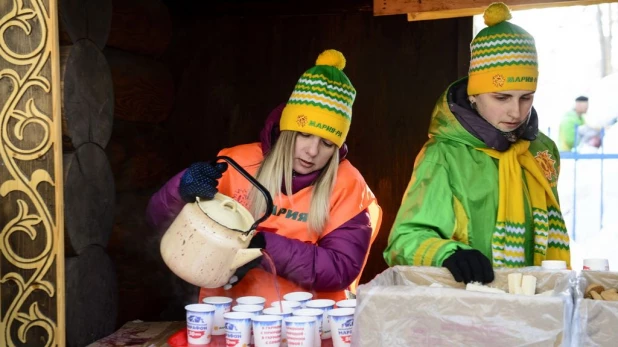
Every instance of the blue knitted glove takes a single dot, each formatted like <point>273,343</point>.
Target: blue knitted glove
<point>200,180</point>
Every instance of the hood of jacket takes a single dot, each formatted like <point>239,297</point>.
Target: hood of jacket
<point>454,119</point>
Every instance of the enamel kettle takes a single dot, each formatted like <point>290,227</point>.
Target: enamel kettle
<point>208,240</point>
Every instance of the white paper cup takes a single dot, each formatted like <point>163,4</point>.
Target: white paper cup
<point>300,331</point>
<point>325,305</point>
<point>317,314</point>
<point>255,309</point>
<point>237,328</point>
<point>553,265</point>
<point>266,330</point>
<point>348,303</point>
<point>199,323</point>
<point>294,305</point>
<point>596,264</point>
<point>251,300</point>
<point>222,305</point>
<point>276,311</point>
<point>341,323</point>
<point>301,297</point>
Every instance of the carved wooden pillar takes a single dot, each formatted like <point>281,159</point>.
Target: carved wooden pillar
<point>31,188</point>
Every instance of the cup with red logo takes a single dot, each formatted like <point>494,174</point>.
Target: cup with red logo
<point>238,329</point>
<point>200,319</point>
<point>341,324</point>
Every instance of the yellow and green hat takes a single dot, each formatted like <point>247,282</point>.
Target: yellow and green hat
<point>503,55</point>
<point>321,103</point>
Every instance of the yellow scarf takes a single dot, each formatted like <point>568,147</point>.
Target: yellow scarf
<point>551,240</point>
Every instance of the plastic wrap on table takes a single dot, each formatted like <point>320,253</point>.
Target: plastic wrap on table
<point>595,321</point>
<point>399,308</point>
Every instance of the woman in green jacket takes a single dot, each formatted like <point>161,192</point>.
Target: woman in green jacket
<point>483,192</point>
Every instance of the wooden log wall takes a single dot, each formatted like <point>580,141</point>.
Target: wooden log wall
<point>139,150</point>
<point>117,91</point>
<point>89,191</point>
<point>32,287</point>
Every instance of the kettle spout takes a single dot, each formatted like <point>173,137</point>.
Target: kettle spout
<point>243,256</point>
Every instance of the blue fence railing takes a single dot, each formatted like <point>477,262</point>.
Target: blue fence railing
<point>576,156</point>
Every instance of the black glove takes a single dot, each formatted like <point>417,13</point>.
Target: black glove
<point>257,241</point>
<point>200,180</point>
<point>469,265</point>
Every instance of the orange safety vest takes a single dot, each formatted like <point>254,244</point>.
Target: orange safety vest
<point>350,196</point>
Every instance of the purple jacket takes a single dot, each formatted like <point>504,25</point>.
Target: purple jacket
<point>330,265</point>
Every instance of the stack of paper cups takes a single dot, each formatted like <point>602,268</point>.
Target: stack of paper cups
<point>301,297</point>
<point>266,330</point>
<point>317,314</point>
<point>324,305</point>
<point>276,311</point>
<point>300,330</point>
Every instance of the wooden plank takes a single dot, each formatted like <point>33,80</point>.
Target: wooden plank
<point>143,87</point>
<point>464,36</point>
<point>58,239</point>
<point>439,9</point>
<point>140,26</point>
<point>269,8</point>
<point>92,290</point>
<point>85,20</point>
<point>31,218</point>
<point>88,95</point>
<point>89,198</point>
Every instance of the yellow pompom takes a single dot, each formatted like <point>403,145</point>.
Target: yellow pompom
<point>331,57</point>
<point>496,13</point>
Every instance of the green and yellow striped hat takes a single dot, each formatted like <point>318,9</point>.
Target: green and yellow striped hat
<point>321,103</point>
<point>503,55</point>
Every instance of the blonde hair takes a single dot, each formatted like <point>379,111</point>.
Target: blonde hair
<point>277,169</point>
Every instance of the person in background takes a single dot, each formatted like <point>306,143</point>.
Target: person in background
<point>570,122</point>
<point>589,139</point>
<point>483,192</point>
<point>325,216</point>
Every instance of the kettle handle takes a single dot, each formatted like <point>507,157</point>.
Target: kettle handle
<point>258,185</point>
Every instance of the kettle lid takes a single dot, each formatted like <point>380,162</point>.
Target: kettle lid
<point>227,212</point>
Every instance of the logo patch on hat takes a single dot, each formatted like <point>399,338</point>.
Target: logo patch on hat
<point>301,120</point>
<point>498,80</point>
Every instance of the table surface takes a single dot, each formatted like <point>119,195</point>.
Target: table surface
<point>155,334</point>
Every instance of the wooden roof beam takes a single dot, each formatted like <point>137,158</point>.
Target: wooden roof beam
<point>440,9</point>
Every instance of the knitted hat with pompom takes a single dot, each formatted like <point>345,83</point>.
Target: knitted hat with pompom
<point>503,55</point>
<point>321,103</point>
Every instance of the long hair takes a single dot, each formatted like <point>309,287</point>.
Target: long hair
<point>276,169</point>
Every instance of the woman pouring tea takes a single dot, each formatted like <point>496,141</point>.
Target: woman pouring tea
<point>325,217</point>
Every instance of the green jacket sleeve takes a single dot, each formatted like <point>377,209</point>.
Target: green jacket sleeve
<point>567,134</point>
<point>423,227</point>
